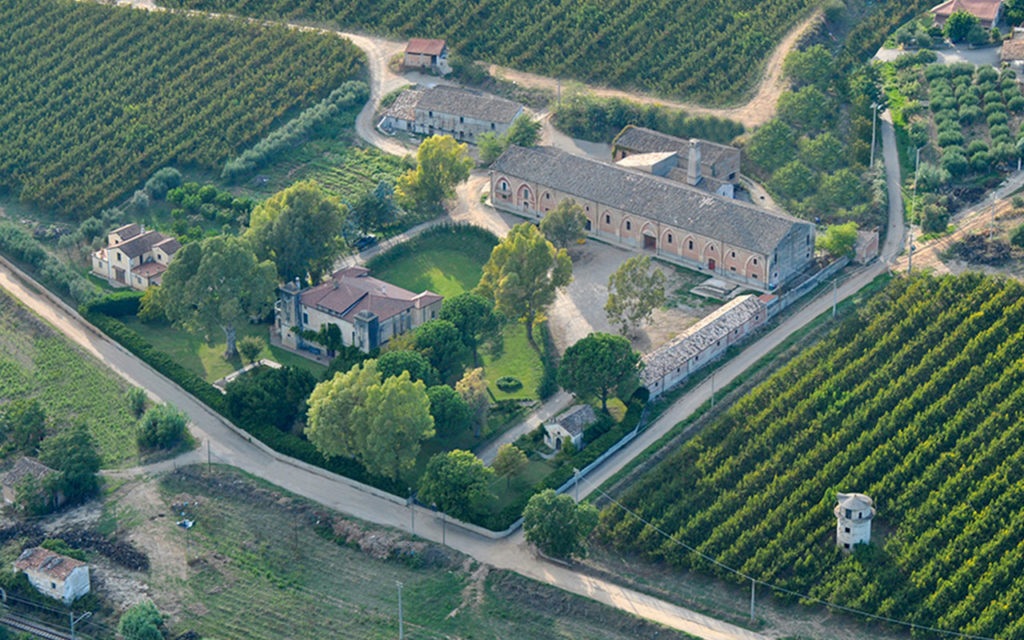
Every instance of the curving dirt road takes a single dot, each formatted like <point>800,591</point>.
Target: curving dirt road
<point>756,111</point>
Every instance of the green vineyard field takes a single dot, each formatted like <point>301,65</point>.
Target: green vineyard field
<point>707,50</point>
<point>93,99</point>
<point>918,402</point>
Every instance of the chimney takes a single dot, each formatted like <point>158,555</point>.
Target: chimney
<point>693,163</point>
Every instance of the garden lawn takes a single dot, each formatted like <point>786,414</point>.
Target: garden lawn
<point>73,387</point>
<point>447,272</point>
<point>207,360</point>
<point>517,359</point>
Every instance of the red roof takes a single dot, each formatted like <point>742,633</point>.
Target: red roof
<point>46,562</point>
<point>986,10</point>
<point>149,269</point>
<point>425,47</point>
<point>352,290</point>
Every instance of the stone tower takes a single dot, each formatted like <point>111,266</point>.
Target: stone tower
<point>853,519</point>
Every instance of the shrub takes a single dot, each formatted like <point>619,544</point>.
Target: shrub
<point>1015,104</point>
<point>509,384</point>
<point>250,347</point>
<point>137,400</point>
<point>975,146</point>
<point>943,103</point>
<point>268,396</point>
<point>999,131</point>
<point>950,138</point>
<point>161,427</point>
<point>993,96</point>
<point>996,118</point>
<point>954,161</point>
<point>994,107</point>
<point>969,114</point>
<point>161,182</point>
<point>141,622</point>
<point>987,74</point>
<point>1017,236</point>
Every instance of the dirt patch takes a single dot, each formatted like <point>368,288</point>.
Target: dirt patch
<point>473,593</point>
<point>121,588</point>
<point>154,532</point>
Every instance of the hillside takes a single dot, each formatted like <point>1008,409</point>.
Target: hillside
<point>93,99</point>
<point>916,401</point>
<point>709,51</point>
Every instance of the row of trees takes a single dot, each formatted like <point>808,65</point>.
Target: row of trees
<point>914,401</point>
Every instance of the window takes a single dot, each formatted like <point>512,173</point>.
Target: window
<point>586,225</point>
<point>119,256</point>
<point>755,260</point>
<point>588,208</point>
<point>846,545</point>
<point>732,268</point>
<point>808,239</point>
<point>53,585</point>
<point>503,185</point>
<point>847,529</point>
<point>732,176</point>
<point>431,114</point>
<point>690,245</point>
<point>629,225</point>
<point>492,125</point>
<point>305,318</point>
<point>607,219</point>
<point>733,254</point>
<point>849,513</point>
<point>461,119</point>
<point>670,238</point>
<point>754,276</point>
<point>433,314</point>
<point>712,247</point>
<point>547,196</point>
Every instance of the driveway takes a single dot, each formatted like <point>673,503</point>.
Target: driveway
<point>983,56</point>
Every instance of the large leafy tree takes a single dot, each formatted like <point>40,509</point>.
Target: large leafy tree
<point>441,163</point>
<point>473,389</point>
<point>772,145</point>
<point>813,65</point>
<point>393,363</point>
<point>442,345</point>
<point>509,462</point>
<point>380,424</point>
<point>558,525</point>
<point>524,132</point>
<point>161,427</point>
<point>597,364</point>
<point>958,25</point>
<point>807,109</point>
<point>215,284</point>
<point>474,317</point>
<point>270,396</point>
<point>457,482</point>
<point>141,622</point>
<point>299,230</point>
<point>838,239</point>
<point>73,453</point>
<point>451,412</point>
<point>565,224</point>
<point>634,291</point>
<point>523,275</point>
<point>23,423</point>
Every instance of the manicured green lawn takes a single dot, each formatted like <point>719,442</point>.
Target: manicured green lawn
<point>447,272</point>
<point>517,359</point>
<point>207,360</point>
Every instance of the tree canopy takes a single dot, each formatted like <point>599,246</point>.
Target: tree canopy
<point>473,389</point>
<point>265,395</point>
<point>393,363</point>
<point>141,622</point>
<point>161,427</point>
<point>215,284</point>
<point>557,524</point>
<point>299,230</point>
<point>451,412</point>
<point>597,364</point>
<point>958,25</point>
<point>380,424</point>
<point>441,164</point>
<point>457,482</point>
<point>73,453</point>
<point>523,275</point>
<point>509,462</point>
<point>634,291</point>
<point>772,145</point>
<point>473,316</point>
<point>838,239</point>
<point>565,224</point>
<point>443,346</point>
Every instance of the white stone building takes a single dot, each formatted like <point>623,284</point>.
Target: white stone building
<point>853,519</point>
<point>134,257</point>
<point>670,364</point>
<point>568,427</point>
<point>369,312</point>
<point>53,574</point>
<point>453,111</point>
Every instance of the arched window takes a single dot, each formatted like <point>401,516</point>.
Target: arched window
<point>629,225</point>
<point>689,245</point>
<point>670,238</point>
<point>733,254</point>
<point>503,185</point>
<point>607,219</point>
<point>755,260</point>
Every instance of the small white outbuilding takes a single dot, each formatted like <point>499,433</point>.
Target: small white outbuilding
<point>53,574</point>
<point>853,519</point>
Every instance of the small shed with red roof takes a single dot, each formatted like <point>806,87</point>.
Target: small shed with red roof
<point>423,53</point>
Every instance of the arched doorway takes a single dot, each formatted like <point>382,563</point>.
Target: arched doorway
<point>711,264</point>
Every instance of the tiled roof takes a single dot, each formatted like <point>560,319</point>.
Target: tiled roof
<point>149,269</point>
<point>404,106</point>
<point>127,231</point>
<point>1012,50</point>
<point>696,339</point>
<point>169,246</point>
<point>660,199</point>
<point>24,468</point>
<point>471,104</point>
<point>425,46</point>
<point>140,244</point>
<point>47,562</point>
<point>576,419</point>
<point>982,9</point>
<point>641,140</point>
<point>352,290</point>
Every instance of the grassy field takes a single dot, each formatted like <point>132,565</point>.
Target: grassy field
<point>517,359</point>
<point>207,359</point>
<point>447,271</point>
<point>259,570</point>
<point>72,386</point>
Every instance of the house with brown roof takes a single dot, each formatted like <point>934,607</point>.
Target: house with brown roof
<point>447,110</point>
<point>703,164</point>
<point>27,470</point>
<point>368,312</point>
<point>134,257</point>
<point>55,575</point>
<point>673,220</point>
<point>987,12</point>
<point>423,53</point>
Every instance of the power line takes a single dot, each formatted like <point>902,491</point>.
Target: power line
<point>774,587</point>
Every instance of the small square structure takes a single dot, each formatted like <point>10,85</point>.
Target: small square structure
<point>568,427</point>
<point>24,469</point>
<point>423,53</point>
<point>55,575</point>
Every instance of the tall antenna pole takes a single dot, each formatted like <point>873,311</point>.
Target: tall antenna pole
<point>401,629</point>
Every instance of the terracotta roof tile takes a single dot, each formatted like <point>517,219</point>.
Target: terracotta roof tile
<point>47,562</point>
<point>425,46</point>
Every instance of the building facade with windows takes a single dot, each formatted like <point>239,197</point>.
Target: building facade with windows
<point>367,311</point>
<point>134,257</point>
<point>447,110</point>
<point>721,236</point>
<point>423,53</point>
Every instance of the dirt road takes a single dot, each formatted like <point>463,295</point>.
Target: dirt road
<point>756,111</point>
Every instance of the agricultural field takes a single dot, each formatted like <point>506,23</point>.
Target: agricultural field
<point>916,401</point>
<point>708,50</point>
<point>142,90</point>
<point>39,363</point>
<point>258,566</point>
<point>967,132</point>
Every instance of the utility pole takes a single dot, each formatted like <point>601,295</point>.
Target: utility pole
<point>753,584</point>
<point>412,510</point>
<point>576,482</point>
<point>444,529</point>
<point>874,106</point>
<point>835,297</point>
<point>74,620</point>
<point>712,389</point>
<point>209,458</point>
<point>401,630</point>
<point>917,167</point>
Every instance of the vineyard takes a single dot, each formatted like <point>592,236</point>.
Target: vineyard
<point>707,50</point>
<point>918,401</point>
<point>37,362</point>
<point>93,99</point>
